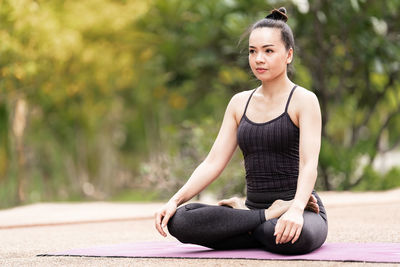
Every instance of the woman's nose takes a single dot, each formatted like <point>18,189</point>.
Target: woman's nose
<point>259,58</point>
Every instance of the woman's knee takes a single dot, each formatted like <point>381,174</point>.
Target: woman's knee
<point>311,237</point>
<point>177,221</point>
<point>305,243</point>
<point>180,225</point>
<point>265,235</point>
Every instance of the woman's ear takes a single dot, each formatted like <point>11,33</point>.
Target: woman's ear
<point>289,56</point>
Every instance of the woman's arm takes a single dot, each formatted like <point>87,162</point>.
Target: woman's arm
<point>310,143</point>
<point>209,170</point>
<point>220,154</point>
<point>290,224</point>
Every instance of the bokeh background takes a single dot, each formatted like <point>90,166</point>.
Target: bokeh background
<point>121,100</point>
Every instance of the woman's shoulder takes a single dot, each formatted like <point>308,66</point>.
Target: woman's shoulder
<point>304,99</point>
<point>241,96</point>
<point>304,96</point>
<point>238,103</point>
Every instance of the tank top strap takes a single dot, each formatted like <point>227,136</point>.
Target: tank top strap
<point>290,96</point>
<point>248,100</point>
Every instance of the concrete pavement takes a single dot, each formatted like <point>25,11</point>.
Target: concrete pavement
<point>48,227</point>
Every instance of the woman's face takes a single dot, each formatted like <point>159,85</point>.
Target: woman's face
<point>268,57</point>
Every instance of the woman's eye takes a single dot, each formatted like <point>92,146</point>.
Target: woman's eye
<point>269,51</point>
<point>251,51</point>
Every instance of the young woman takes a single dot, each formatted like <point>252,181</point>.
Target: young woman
<point>278,128</point>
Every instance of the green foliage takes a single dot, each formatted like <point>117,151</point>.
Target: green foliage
<point>129,95</point>
<point>136,195</point>
<point>353,62</point>
<point>72,64</point>
<point>372,180</point>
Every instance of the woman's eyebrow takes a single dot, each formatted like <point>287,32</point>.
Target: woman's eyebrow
<point>267,45</point>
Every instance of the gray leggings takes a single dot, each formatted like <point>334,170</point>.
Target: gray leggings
<point>221,227</point>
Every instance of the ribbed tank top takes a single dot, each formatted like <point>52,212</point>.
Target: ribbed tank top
<point>271,155</point>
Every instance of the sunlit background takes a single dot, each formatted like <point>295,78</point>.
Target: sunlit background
<point>121,100</point>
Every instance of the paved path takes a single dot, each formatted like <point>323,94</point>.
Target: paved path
<point>41,228</point>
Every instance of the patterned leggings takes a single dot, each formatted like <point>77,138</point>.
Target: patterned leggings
<point>222,228</point>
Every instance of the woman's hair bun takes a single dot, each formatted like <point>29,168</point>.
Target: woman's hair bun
<point>278,14</point>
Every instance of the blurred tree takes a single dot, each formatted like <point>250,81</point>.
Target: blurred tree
<point>123,95</point>
<point>351,53</point>
<point>352,67</point>
<point>72,62</point>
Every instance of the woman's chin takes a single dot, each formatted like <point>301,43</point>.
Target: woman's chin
<point>268,77</point>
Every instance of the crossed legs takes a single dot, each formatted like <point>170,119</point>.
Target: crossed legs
<point>221,227</point>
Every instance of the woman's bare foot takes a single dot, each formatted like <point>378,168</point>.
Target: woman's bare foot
<point>280,206</point>
<point>233,202</point>
<point>277,208</point>
<point>312,204</point>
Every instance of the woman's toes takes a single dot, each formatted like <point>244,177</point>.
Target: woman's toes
<point>315,208</point>
<point>313,199</point>
<point>234,202</point>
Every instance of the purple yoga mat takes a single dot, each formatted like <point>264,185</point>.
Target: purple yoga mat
<point>365,252</point>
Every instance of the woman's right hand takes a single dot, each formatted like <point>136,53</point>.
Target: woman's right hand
<point>163,215</point>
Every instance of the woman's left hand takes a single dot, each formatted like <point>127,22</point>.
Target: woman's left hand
<point>289,226</point>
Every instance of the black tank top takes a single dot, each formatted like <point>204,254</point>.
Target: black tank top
<point>271,155</point>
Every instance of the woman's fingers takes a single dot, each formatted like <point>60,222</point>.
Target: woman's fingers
<point>284,236</point>
<point>158,218</point>
<point>297,235</point>
<point>165,219</point>
<point>287,230</point>
<point>292,234</point>
<point>163,215</point>
<point>278,231</point>
<point>288,233</point>
<point>281,231</point>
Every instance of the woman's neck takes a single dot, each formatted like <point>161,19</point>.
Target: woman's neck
<point>276,87</point>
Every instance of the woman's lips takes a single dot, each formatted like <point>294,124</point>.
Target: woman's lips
<point>261,70</point>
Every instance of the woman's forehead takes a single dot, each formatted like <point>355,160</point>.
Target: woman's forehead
<point>264,36</point>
